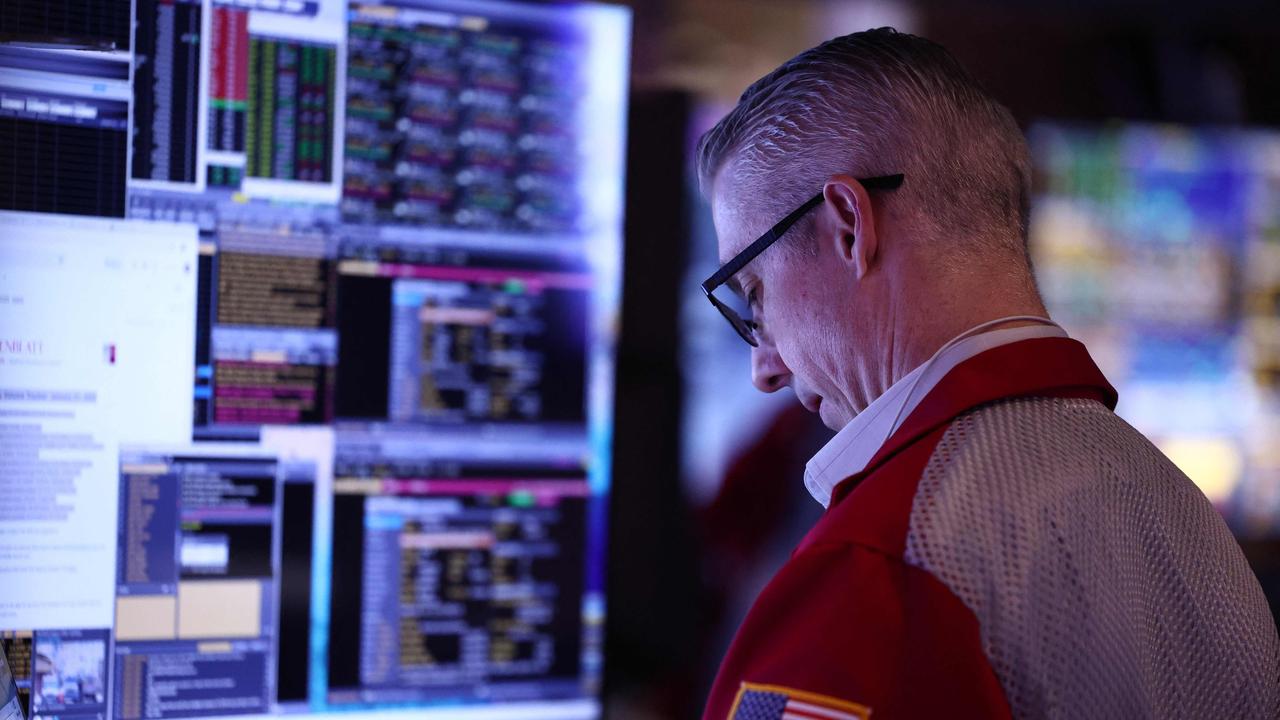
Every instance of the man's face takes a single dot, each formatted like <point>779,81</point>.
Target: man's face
<point>806,306</point>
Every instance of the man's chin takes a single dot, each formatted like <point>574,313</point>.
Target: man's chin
<point>829,415</point>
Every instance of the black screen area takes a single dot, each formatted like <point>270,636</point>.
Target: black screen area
<point>298,532</point>
<point>62,168</point>
<point>345,590</point>
<point>92,23</point>
<point>364,346</point>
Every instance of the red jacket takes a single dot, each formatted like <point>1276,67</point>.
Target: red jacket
<point>849,628</point>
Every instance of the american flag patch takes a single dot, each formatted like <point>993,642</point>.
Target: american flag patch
<point>774,702</point>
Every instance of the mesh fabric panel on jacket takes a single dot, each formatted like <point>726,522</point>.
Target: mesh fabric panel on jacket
<point>1104,582</point>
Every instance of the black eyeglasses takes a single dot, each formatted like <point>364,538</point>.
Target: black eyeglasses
<point>747,328</point>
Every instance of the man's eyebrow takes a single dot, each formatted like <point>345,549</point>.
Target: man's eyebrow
<point>733,284</point>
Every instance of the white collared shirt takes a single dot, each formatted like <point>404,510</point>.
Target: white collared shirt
<point>853,447</point>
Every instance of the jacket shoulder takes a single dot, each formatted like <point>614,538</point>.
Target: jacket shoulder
<point>850,623</point>
<point>1103,581</point>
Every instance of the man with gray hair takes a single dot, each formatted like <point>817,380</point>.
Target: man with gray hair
<point>997,542</point>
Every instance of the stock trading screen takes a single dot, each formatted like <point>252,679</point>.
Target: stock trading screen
<point>399,267</point>
<point>166,85</point>
<point>197,561</point>
<point>471,580</point>
<point>290,121</point>
<point>479,337</point>
<point>228,78</point>
<point>473,344</point>
<point>471,125</point>
<point>273,344</point>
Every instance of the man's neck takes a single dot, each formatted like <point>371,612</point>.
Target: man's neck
<point>921,331</point>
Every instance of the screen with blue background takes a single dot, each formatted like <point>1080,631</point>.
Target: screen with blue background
<point>1159,247</point>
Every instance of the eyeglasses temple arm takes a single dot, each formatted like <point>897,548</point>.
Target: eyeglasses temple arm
<point>741,259</point>
<point>880,182</point>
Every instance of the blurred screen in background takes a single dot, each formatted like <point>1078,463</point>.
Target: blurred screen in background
<point>1159,247</point>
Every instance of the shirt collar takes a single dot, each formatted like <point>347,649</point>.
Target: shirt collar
<point>857,443</point>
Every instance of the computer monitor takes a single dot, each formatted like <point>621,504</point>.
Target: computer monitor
<point>309,314</point>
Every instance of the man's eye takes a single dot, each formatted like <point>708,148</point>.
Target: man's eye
<point>751,298</point>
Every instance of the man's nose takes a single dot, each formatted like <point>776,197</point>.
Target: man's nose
<point>768,372</point>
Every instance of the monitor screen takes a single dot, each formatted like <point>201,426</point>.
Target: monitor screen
<point>1156,245</point>
<point>306,375</point>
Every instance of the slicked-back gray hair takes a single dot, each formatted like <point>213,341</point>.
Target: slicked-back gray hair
<point>874,103</point>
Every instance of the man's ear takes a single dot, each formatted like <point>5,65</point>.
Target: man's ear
<point>847,224</point>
